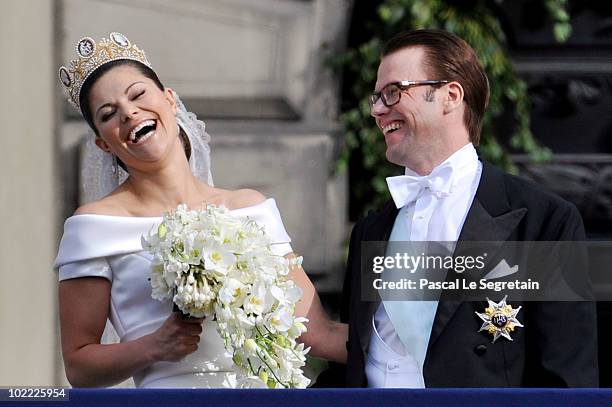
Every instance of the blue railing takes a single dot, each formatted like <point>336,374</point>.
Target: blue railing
<point>334,398</point>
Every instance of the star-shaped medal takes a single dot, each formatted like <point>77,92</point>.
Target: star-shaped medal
<point>499,319</point>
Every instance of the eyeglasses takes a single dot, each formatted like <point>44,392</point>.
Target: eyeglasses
<point>391,94</point>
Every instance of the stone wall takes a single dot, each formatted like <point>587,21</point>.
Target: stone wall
<point>28,195</point>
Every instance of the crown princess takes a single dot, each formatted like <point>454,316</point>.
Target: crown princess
<point>92,56</point>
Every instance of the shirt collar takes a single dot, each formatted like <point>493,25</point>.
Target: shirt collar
<point>461,159</point>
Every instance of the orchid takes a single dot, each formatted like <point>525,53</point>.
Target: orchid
<point>213,264</point>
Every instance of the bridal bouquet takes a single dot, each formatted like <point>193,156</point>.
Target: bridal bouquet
<point>212,264</point>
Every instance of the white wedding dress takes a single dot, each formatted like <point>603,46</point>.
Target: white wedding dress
<point>110,247</point>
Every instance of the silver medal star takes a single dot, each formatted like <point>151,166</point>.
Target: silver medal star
<point>499,319</point>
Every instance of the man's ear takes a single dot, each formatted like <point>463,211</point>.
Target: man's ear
<point>170,98</point>
<point>103,145</point>
<point>454,97</point>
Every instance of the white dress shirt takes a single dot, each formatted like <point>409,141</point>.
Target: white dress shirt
<point>431,217</point>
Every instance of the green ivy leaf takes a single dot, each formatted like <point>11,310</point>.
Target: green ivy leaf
<point>562,31</point>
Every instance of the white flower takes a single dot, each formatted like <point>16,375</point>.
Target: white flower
<point>297,328</point>
<point>233,292</point>
<point>218,258</point>
<point>214,264</point>
<point>279,320</point>
<point>293,294</point>
<point>160,289</point>
<point>193,248</point>
<point>259,300</point>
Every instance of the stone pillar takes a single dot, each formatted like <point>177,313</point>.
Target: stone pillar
<point>28,194</point>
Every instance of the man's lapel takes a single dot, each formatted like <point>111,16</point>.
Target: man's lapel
<point>377,231</point>
<point>490,218</point>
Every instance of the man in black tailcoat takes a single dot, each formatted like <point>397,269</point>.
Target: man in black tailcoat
<point>429,101</point>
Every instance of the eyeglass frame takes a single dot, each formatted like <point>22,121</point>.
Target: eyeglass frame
<point>403,86</point>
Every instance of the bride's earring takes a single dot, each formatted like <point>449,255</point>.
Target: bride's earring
<point>114,166</point>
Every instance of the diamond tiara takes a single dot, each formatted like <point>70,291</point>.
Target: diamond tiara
<point>92,56</point>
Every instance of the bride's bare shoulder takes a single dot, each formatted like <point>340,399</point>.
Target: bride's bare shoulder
<point>105,206</point>
<point>242,198</point>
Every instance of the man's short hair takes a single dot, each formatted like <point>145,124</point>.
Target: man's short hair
<point>448,57</point>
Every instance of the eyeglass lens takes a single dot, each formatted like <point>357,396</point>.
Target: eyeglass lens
<point>389,95</point>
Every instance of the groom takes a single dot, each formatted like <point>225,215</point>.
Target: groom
<point>429,101</point>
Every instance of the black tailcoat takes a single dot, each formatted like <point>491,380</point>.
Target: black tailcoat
<point>557,346</point>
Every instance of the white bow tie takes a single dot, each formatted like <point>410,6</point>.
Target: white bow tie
<point>408,188</point>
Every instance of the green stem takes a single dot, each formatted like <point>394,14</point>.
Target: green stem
<point>271,371</point>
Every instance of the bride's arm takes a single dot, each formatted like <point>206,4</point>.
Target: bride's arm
<point>326,338</point>
<point>84,307</point>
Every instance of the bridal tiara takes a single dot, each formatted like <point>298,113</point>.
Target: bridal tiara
<point>92,56</point>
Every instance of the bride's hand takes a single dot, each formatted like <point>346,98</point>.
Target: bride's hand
<point>176,338</point>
